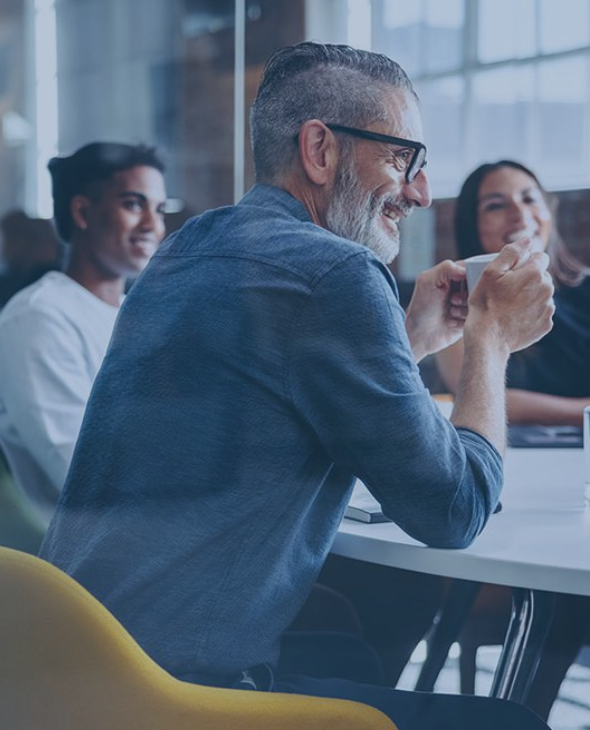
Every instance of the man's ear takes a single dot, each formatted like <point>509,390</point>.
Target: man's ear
<point>79,211</point>
<point>318,151</point>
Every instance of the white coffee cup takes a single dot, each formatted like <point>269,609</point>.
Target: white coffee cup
<point>587,454</point>
<point>475,265</point>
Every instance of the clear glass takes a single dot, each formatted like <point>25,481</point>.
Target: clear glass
<point>587,454</point>
<point>397,32</point>
<point>400,13</point>
<point>161,72</point>
<point>503,107</point>
<point>562,105</point>
<point>505,29</point>
<point>359,24</point>
<point>424,36</point>
<point>563,24</point>
<point>17,120</point>
<point>443,109</point>
<point>154,71</point>
<point>442,36</point>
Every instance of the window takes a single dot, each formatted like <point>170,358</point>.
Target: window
<point>502,109</point>
<point>563,25</point>
<point>497,78</point>
<point>426,34</point>
<point>505,30</point>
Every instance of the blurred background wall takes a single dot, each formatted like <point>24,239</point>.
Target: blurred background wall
<point>497,78</point>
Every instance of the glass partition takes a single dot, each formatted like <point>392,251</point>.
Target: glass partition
<point>155,71</point>
<point>496,78</point>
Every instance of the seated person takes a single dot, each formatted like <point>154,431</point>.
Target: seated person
<point>548,382</point>
<point>109,203</point>
<point>30,248</point>
<point>262,361</point>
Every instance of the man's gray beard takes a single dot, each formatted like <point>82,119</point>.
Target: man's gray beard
<point>351,214</point>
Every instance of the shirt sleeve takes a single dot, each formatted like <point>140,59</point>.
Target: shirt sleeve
<point>353,377</point>
<point>44,385</point>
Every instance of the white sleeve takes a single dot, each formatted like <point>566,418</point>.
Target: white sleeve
<point>45,381</point>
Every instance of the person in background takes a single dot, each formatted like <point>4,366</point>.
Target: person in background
<point>30,248</point>
<point>261,362</point>
<point>109,201</point>
<point>548,382</point>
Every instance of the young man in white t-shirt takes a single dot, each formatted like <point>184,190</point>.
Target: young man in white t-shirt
<point>109,201</point>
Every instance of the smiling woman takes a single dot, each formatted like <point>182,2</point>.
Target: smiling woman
<point>510,206</point>
<point>548,382</point>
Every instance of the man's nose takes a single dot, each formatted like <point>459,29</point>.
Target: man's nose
<point>418,191</point>
<point>152,220</point>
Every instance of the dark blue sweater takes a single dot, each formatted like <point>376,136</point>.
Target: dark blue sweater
<point>559,364</point>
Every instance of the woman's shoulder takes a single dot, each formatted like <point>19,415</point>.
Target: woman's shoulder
<point>572,312</point>
<point>574,295</point>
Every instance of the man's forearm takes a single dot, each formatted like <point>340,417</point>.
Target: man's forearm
<point>480,402</point>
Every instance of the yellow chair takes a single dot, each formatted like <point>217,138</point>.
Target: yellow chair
<point>67,664</point>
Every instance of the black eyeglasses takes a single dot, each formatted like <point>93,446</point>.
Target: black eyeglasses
<point>410,165</point>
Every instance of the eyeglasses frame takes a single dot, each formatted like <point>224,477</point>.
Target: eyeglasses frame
<point>413,168</point>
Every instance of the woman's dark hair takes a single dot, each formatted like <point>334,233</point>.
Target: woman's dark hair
<point>95,162</point>
<point>564,267</point>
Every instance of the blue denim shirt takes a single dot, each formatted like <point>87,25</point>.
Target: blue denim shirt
<point>258,365</point>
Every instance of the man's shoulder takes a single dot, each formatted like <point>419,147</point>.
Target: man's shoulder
<point>54,296</point>
<point>270,227</point>
<point>38,294</point>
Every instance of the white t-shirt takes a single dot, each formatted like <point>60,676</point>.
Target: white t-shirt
<point>53,337</point>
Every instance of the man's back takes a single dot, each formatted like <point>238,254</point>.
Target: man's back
<point>209,438</point>
<point>214,463</point>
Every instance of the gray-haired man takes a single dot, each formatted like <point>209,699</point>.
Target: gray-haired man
<point>262,362</point>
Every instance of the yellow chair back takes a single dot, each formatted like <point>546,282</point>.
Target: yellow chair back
<point>67,664</point>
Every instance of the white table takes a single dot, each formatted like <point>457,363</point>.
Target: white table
<point>539,542</point>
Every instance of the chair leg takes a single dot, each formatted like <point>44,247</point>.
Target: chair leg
<point>453,614</point>
<point>467,667</point>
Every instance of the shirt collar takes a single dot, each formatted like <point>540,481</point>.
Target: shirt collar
<point>263,195</point>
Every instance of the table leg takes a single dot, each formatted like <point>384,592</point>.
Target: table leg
<point>529,623</point>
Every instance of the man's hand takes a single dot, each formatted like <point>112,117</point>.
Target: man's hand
<point>438,309</point>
